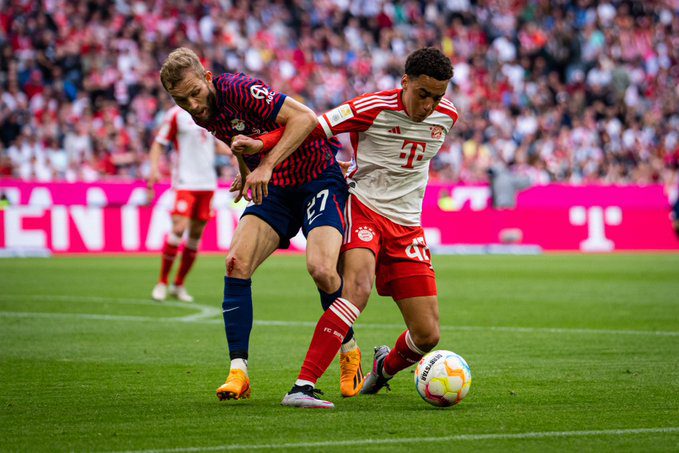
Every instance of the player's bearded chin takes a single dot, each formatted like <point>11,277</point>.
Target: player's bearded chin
<point>211,104</point>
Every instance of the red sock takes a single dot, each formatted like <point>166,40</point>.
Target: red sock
<point>328,336</point>
<point>169,254</point>
<point>404,354</point>
<point>188,257</point>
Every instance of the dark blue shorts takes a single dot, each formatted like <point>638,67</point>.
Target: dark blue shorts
<point>317,203</point>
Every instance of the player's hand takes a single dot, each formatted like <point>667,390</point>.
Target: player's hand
<point>344,166</point>
<point>257,183</point>
<point>154,177</point>
<point>237,186</point>
<point>242,144</point>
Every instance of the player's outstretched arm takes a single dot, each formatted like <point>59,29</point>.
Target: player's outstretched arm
<point>237,184</point>
<point>299,120</point>
<point>242,144</point>
<point>264,143</point>
<point>154,172</point>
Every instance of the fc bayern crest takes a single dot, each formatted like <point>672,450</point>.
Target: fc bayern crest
<point>238,124</point>
<point>365,234</point>
<point>436,132</point>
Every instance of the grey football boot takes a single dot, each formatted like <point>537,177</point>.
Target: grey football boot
<point>374,381</point>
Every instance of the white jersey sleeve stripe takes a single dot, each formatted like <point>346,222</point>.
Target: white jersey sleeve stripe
<point>376,101</point>
<point>360,102</point>
<point>446,103</point>
<point>380,104</point>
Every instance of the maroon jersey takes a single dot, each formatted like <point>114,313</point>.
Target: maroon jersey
<point>248,106</point>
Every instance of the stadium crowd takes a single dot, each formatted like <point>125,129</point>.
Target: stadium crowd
<point>578,91</point>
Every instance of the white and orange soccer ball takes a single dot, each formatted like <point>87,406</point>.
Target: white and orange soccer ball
<point>442,378</point>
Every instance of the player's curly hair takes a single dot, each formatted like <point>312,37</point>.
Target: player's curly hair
<point>431,62</point>
<point>177,63</point>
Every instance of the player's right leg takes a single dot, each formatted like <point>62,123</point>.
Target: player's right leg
<point>201,213</point>
<point>253,241</point>
<point>169,253</point>
<point>358,269</point>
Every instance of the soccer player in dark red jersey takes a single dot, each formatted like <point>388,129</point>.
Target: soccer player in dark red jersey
<point>395,134</point>
<point>293,186</point>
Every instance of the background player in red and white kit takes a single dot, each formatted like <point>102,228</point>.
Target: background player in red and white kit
<point>291,188</point>
<point>194,180</point>
<point>394,134</point>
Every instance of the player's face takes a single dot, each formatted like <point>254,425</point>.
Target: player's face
<point>421,95</point>
<point>196,95</point>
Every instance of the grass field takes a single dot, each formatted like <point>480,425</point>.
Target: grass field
<point>567,352</point>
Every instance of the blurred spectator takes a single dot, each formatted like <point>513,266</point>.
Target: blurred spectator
<point>580,91</point>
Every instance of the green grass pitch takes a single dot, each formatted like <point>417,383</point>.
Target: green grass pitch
<point>567,352</point>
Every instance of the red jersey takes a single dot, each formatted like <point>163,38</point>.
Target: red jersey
<point>248,106</point>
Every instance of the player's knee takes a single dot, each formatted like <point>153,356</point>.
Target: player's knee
<point>324,274</point>
<point>358,291</point>
<point>238,266</point>
<point>178,230</point>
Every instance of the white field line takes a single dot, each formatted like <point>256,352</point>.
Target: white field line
<point>421,440</point>
<point>204,311</point>
<point>208,314</point>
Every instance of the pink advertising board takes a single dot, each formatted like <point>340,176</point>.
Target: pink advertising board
<point>113,217</point>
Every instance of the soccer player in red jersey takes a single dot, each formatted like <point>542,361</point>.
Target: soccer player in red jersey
<point>394,134</point>
<point>296,185</point>
<point>194,181</point>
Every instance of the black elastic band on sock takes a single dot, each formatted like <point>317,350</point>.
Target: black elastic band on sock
<point>238,355</point>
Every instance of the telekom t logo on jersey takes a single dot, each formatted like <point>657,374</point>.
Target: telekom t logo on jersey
<point>416,152</point>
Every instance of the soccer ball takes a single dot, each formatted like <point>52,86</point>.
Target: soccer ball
<point>442,378</point>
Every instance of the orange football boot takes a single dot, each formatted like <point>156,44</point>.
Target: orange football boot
<point>236,387</point>
<point>351,373</point>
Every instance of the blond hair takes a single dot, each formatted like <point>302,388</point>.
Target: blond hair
<point>177,63</point>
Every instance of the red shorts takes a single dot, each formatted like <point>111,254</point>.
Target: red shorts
<point>194,204</point>
<point>403,267</point>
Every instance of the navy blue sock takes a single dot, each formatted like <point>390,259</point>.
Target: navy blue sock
<point>237,313</point>
<point>326,301</point>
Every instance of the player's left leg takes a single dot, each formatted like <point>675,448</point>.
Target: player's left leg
<point>191,246</point>
<point>323,247</point>
<point>324,225</point>
<point>421,315</point>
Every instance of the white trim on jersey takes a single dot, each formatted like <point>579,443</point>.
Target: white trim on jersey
<point>447,105</point>
<point>324,124</point>
<point>360,103</point>
<point>392,105</point>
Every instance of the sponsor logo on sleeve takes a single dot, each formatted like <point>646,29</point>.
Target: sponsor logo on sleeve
<point>340,114</point>
<point>262,92</point>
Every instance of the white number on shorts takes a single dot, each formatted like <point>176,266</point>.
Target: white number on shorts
<point>418,249</point>
<point>323,196</point>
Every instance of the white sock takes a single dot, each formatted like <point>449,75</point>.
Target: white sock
<point>349,346</point>
<point>240,364</point>
<point>302,383</point>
